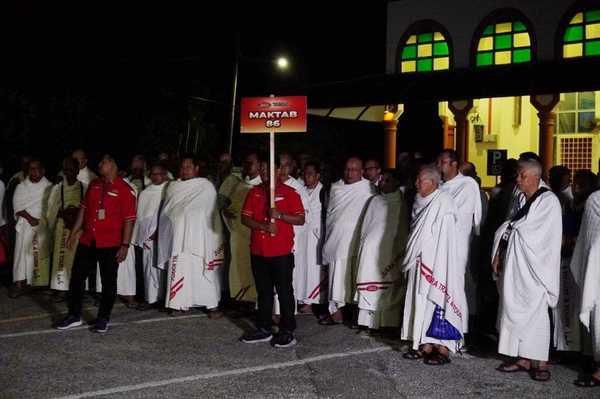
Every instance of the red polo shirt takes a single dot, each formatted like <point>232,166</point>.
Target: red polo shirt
<point>117,198</point>
<point>256,207</point>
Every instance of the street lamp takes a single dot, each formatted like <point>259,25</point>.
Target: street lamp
<point>281,62</point>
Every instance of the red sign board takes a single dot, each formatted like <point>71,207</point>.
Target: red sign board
<point>273,114</point>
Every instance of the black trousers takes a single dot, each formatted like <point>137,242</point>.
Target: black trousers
<point>86,258</point>
<point>274,273</point>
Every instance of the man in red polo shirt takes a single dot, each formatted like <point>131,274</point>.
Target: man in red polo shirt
<point>272,260</point>
<point>103,228</point>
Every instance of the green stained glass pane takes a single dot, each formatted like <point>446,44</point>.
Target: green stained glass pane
<point>484,59</point>
<point>522,55</point>
<point>409,52</point>
<point>425,37</point>
<point>440,48</point>
<point>574,34</point>
<point>503,42</point>
<point>424,65</point>
<point>592,48</point>
<point>591,16</point>
<point>519,26</point>
<point>489,30</point>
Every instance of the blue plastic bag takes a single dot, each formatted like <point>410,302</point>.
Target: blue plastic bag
<point>440,328</point>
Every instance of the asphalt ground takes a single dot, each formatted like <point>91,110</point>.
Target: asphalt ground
<point>152,355</point>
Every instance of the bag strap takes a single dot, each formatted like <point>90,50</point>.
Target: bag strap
<point>521,213</point>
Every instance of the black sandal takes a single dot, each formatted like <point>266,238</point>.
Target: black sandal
<point>413,355</point>
<point>328,321</point>
<point>591,382</point>
<point>437,359</point>
<point>539,374</point>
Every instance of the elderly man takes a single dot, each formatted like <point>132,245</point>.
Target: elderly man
<point>63,207</point>
<point>347,201</point>
<point>382,244</point>
<point>103,229</point>
<point>433,311</point>
<point>373,171</point>
<point>527,261</point>
<point>191,241</point>
<point>585,268</point>
<point>32,253</point>
<point>234,191</point>
<point>85,174</point>
<point>467,198</point>
<point>145,236</point>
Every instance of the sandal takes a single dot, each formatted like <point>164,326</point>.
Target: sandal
<point>437,359</point>
<point>328,321</point>
<point>539,374</point>
<point>413,355</point>
<point>591,382</point>
<point>511,367</point>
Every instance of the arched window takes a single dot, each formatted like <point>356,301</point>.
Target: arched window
<point>425,48</point>
<point>504,38</point>
<point>582,35</point>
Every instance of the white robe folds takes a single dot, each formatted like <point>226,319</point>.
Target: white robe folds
<point>344,211</point>
<point>32,250</point>
<point>434,276</point>
<point>191,241</point>
<point>146,224</point>
<point>85,176</point>
<point>530,279</point>
<point>301,288</point>
<point>379,282</point>
<point>312,250</point>
<point>585,267</point>
<point>467,198</point>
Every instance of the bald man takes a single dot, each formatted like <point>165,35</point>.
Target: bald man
<point>347,201</point>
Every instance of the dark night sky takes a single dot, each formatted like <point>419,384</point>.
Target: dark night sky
<point>130,61</point>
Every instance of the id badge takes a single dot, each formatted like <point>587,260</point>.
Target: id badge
<point>101,214</point>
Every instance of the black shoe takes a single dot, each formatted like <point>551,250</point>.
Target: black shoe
<point>68,322</point>
<point>100,326</point>
<point>283,340</point>
<point>260,335</point>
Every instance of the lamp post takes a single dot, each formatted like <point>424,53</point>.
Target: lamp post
<point>282,63</point>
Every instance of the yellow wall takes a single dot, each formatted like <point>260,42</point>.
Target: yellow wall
<point>514,138</point>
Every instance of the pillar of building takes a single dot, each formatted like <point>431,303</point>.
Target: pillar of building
<point>460,109</point>
<point>544,104</point>
<point>390,130</point>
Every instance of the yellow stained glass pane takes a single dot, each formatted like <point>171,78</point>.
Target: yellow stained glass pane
<point>486,43</point>
<point>412,39</point>
<point>502,57</point>
<point>592,31</point>
<point>409,66</point>
<point>437,36</point>
<point>573,50</point>
<point>424,50</point>
<point>521,40</point>
<point>577,19</point>
<point>440,64</point>
<point>504,27</point>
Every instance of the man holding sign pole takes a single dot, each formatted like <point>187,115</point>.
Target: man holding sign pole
<point>270,211</point>
<point>271,244</point>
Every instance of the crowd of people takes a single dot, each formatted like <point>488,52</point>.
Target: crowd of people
<point>421,249</point>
